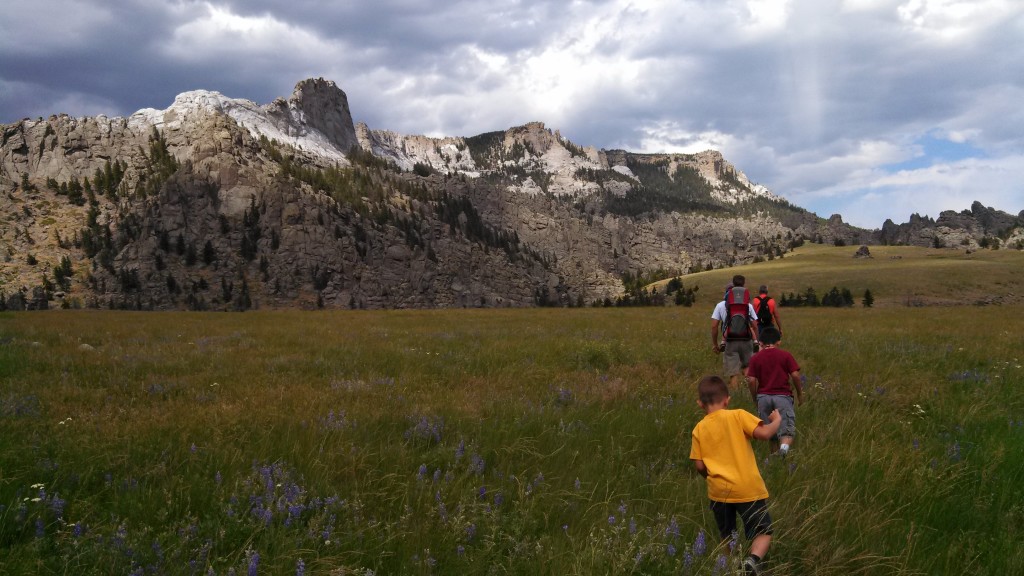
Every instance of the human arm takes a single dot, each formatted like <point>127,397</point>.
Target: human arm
<point>767,431</point>
<point>701,468</point>
<point>752,385</point>
<point>798,387</point>
<point>716,327</point>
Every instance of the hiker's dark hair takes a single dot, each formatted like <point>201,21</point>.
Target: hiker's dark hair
<point>739,280</point>
<point>770,335</point>
<point>712,390</point>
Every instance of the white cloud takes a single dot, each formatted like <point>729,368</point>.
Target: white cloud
<point>816,99</point>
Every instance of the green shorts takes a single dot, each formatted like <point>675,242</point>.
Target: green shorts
<point>736,356</point>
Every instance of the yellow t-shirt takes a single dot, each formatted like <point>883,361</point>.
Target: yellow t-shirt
<point>722,441</point>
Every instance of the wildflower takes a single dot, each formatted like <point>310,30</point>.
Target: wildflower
<point>622,508</point>
<point>687,560</point>
<point>460,450</point>
<point>477,464</point>
<point>632,525</point>
<point>482,492</point>
<point>700,545</point>
<point>460,549</point>
<point>672,529</point>
<point>254,563</point>
<point>470,532</point>
<point>300,568</point>
<point>720,564</point>
<point>498,499</point>
<point>671,550</point>
<point>577,484</point>
<point>422,471</point>
<point>611,520</point>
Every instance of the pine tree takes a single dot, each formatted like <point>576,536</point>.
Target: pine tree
<point>869,299</point>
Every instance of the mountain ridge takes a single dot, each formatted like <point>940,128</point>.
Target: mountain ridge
<point>221,203</point>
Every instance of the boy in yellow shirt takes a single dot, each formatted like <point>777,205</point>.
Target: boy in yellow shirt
<point>722,453</point>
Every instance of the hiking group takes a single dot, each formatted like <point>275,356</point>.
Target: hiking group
<point>747,333</point>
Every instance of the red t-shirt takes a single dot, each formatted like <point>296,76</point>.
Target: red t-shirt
<point>772,367</point>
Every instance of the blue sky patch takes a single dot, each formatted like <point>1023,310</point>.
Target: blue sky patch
<point>936,151</point>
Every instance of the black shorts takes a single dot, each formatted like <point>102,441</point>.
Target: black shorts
<point>756,519</point>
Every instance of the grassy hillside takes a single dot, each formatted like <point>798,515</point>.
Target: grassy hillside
<point>544,441</point>
<point>896,275</point>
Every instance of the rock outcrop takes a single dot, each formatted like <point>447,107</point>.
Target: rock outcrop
<point>220,203</point>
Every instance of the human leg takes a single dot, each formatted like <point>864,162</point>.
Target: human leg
<point>757,525</point>
<point>787,430</point>
<point>725,518</point>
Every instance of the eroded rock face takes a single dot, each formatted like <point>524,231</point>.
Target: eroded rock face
<point>512,218</point>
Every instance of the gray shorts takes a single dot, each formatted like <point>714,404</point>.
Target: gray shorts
<point>736,356</point>
<point>784,404</point>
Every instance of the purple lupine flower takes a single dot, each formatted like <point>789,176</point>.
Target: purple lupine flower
<point>687,560</point>
<point>254,563</point>
<point>470,532</point>
<point>57,505</point>
<point>673,528</point>
<point>632,525</point>
<point>611,520</point>
<point>422,472</point>
<point>671,550</point>
<point>300,568</point>
<point>720,564</point>
<point>499,499</point>
<point>460,450</point>
<point>482,492</point>
<point>700,545</point>
<point>477,464</point>
<point>460,549</point>
<point>577,484</point>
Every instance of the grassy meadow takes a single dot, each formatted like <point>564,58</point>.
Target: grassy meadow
<point>539,441</point>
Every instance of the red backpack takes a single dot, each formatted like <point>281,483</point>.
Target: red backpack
<point>737,303</point>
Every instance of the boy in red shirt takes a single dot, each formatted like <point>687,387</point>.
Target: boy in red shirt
<point>770,375</point>
<point>722,453</point>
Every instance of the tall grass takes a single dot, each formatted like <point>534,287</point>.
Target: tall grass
<point>493,441</point>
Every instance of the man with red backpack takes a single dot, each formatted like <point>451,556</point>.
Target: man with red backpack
<point>734,329</point>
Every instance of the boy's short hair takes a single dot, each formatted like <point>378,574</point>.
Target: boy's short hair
<point>739,280</point>
<point>769,335</point>
<point>712,390</point>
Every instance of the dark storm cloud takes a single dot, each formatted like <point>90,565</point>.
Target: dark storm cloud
<point>817,99</point>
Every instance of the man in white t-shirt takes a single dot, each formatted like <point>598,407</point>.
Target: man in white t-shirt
<point>736,353</point>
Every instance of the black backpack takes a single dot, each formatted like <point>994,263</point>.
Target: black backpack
<point>764,313</point>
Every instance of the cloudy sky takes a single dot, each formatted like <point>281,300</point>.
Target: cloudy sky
<point>872,109</point>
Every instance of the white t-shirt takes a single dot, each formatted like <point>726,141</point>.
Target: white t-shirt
<point>721,312</point>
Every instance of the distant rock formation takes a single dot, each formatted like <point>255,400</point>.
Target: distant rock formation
<point>223,204</point>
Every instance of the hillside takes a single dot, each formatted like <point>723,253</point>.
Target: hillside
<point>895,275</point>
<point>216,203</point>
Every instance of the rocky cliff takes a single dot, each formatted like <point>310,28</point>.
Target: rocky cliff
<point>220,203</point>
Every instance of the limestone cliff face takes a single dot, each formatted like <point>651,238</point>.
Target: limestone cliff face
<point>220,203</point>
